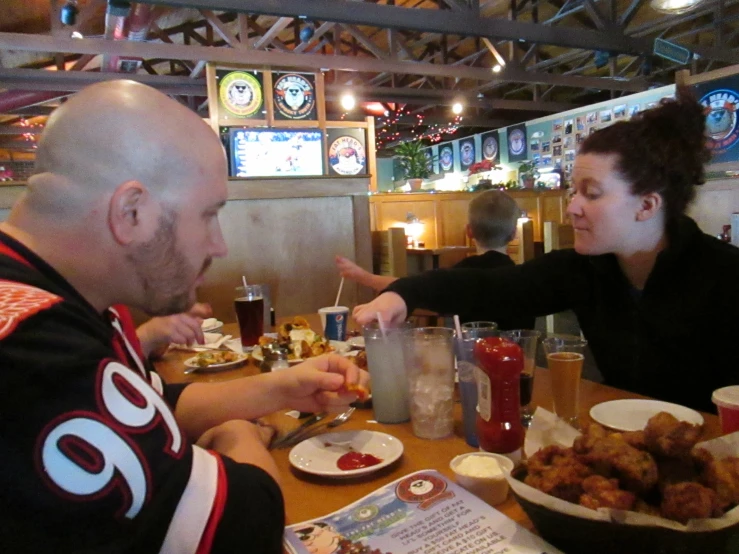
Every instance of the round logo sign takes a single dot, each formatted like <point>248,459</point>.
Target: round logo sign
<point>516,142</point>
<point>467,152</point>
<point>721,119</point>
<point>346,156</point>
<point>240,93</point>
<point>490,148</point>
<point>446,158</point>
<point>294,96</point>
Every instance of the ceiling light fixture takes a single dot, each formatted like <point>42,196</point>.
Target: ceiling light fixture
<point>77,34</point>
<point>457,108</point>
<point>497,68</point>
<point>348,102</point>
<point>673,7</point>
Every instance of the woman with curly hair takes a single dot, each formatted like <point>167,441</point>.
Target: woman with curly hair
<point>656,298</point>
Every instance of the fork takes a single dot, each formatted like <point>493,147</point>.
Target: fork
<point>301,436</point>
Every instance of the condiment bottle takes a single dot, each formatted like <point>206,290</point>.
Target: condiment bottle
<point>499,427</point>
<point>274,359</point>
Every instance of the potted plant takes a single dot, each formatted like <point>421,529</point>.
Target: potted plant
<point>527,174</point>
<point>415,163</point>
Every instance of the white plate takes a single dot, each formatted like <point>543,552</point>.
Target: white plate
<point>192,363</point>
<point>209,325</point>
<point>632,415</point>
<point>314,456</point>
<point>355,342</point>
<point>339,348</point>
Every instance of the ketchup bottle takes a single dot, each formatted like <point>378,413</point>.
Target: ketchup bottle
<point>499,427</point>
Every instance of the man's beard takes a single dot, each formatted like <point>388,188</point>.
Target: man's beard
<point>163,271</point>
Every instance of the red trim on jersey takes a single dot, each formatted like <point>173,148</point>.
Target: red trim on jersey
<point>5,250</point>
<point>19,301</point>
<point>219,505</point>
<point>129,328</point>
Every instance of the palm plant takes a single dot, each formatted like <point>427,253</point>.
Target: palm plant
<point>413,159</point>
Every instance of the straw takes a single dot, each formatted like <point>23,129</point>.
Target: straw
<point>458,327</point>
<point>243,280</point>
<point>338,294</point>
<point>381,325</point>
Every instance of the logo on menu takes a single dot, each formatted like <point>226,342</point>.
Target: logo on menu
<point>490,148</point>
<point>517,142</point>
<point>346,156</point>
<point>721,119</point>
<point>294,96</point>
<point>240,93</point>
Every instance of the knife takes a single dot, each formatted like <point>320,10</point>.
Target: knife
<point>315,418</point>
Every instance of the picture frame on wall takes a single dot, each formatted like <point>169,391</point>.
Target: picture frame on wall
<point>558,163</point>
<point>556,125</point>
<point>619,111</point>
<point>534,145</point>
<point>569,155</point>
<point>591,118</point>
<point>546,160</point>
<point>517,145</point>
<point>567,142</point>
<point>466,153</point>
<point>557,150</point>
<point>546,147</point>
<point>569,124</point>
<point>635,109</point>
<point>446,158</point>
<point>240,94</point>
<point>605,116</point>
<point>294,96</point>
<point>347,155</point>
<point>580,123</point>
<point>556,139</point>
<point>490,146</point>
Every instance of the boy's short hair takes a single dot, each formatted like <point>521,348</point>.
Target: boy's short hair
<point>492,217</point>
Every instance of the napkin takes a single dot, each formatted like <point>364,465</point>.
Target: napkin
<point>212,341</point>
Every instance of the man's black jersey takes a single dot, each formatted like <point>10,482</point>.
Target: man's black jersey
<point>91,456</point>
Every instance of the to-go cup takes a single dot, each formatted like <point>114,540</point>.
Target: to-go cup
<point>727,401</point>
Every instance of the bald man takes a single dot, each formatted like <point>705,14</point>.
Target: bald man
<point>98,455</point>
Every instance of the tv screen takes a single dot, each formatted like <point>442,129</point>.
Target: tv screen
<point>276,152</point>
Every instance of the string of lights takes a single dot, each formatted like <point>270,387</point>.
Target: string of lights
<point>387,128</point>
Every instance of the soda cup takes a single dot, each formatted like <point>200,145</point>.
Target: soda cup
<point>334,320</point>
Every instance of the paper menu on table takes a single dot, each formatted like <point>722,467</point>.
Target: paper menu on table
<point>421,513</point>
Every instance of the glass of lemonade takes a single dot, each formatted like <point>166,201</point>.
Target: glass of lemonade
<point>386,363</point>
<point>430,368</point>
<point>565,356</point>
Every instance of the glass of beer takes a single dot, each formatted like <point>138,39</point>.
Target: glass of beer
<point>565,356</point>
<point>249,305</point>
<point>527,339</point>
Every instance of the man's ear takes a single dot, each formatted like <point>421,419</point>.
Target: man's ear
<point>651,203</point>
<point>125,211</point>
<point>468,231</point>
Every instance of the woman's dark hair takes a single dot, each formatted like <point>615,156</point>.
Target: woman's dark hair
<point>660,150</point>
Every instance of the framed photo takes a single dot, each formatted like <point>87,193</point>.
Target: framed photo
<point>240,94</point>
<point>591,118</point>
<point>346,152</point>
<point>619,111</point>
<point>605,116</point>
<point>568,126</point>
<point>294,95</point>
<point>546,146</point>
<point>580,123</point>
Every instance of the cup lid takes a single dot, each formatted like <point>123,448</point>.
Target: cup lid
<point>727,397</point>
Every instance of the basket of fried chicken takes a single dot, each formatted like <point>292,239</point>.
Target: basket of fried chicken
<point>656,491</point>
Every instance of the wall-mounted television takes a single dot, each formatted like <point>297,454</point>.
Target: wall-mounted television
<point>276,152</point>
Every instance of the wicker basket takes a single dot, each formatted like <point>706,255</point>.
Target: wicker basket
<point>574,535</point>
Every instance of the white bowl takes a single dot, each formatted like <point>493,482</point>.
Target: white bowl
<point>492,490</point>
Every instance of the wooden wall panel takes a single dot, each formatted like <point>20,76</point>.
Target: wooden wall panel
<point>289,244</point>
<point>452,221</point>
<point>394,214</point>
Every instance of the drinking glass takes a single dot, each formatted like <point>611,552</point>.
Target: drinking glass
<point>249,305</point>
<point>466,365</point>
<point>386,364</point>
<point>527,339</point>
<point>430,367</point>
<point>565,356</point>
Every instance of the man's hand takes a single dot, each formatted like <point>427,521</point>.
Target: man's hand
<point>243,442</point>
<point>389,305</point>
<point>320,384</point>
<point>184,328</point>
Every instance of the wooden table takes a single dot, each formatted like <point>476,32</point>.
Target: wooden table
<point>308,496</point>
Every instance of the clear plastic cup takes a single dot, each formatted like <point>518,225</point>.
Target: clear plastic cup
<point>386,363</point>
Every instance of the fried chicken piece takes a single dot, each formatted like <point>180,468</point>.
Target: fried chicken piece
<point>676,470</point>
<point>612,456</point>
<point>667,436</point>
<point>590,434</point>
<point>557,471</point>
<point>722,476</point>
<point>637,439</point>
<point>600,492</point>
<point>684,501</point>
<point>360,360</point>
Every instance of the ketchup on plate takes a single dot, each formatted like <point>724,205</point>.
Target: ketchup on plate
<point>499,427</point>
<point>357,460</point>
